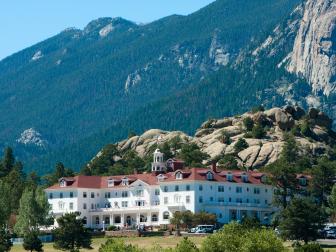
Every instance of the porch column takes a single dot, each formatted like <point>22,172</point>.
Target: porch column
<point>111,219</point>
<point>122,220</point>
<point>149,218</point>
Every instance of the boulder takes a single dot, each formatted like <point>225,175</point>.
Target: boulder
<point>203,132</point>
<point>249,155</point>
<point>299,113</point>
<point>223,123</point>
<point>263,156</point>
<point>284,120</point>
<point>261,118</point>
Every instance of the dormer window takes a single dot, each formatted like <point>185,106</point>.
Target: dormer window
<point>263,179</point>
<point>229,176</point>
<point>63,183</point>
<point>124,181</point>
<point>303,181</point>
<point>210,176</point>
<point>110,183</point>
<point>245,178</point>
<point>179,175</point>
<point>160,177</point>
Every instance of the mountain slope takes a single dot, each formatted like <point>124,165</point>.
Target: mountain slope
<point>81,82</point>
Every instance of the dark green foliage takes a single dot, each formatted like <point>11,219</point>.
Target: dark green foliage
<point>60,172</point>
<point>7,162</point>
<point>305,129</point>
<point>250,222</point>
<point>259,108</point>
<point>5,242</point>
<point>302,220</point>
<point>186,246</point>
<point>225,137</point>
<point>117,245</point>
<point>192,155</point>
<point>290,149</point>
<point>248,123</point>
<point>228,162</point>
<point>31,242</point>
<point>310,247</point>
<point>258,131</point>
<point>71,234</point>
<point>204,218</point>
<point>323,175</point>
<point>240,145</point>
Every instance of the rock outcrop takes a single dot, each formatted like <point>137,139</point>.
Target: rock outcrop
<point>260,152</point>
<point>314,52</point>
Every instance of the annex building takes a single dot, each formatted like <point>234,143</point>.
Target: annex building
<point>152,198</point>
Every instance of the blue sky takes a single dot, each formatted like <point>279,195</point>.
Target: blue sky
<point>26,22</point>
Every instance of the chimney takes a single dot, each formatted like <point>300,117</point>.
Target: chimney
<point>214,167</point>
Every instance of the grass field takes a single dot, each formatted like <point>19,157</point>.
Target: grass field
<point>148,242</point>
<point>143,242</point>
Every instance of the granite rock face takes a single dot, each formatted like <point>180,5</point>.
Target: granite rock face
<point>260,152</point>
<point>314,52</point>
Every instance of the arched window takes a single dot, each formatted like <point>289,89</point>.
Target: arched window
<point>179,175</point>
<point>84,220</point>
<point>117,219</point>
<point>97,220</point>
<point>154,218</point>
<point>143,218</point>
<point>165,215</point>
<point>210,176</point>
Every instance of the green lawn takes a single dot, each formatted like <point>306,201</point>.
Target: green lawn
<point>146,242</point>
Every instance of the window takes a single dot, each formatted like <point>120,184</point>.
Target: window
<point>84,220</point>
<point>239,189</point>
<point>107,195</point>
<point>165,215</point>
<point>266,202</point>
<point>247,201</point>
<point>157,191</point>
<point>140,203</point>
<point>110,183</point>
<point>50,195</point>
<point>84,206</point>
<point>230,199</point>
<point>245,178</point>
<point>165,200</point>
<point>71,206</point>
<point>256,190</point>
<point>303,181</point>
<point>239,200</point>
<point>139,193</point>
<point>92,195</point>
<point>71,194</point>
<point>92,206</point>
<point>107,220</point>
<point>187,199</point>
<point>179,175</point>
<point>124,181</point>
<point>187,187</point>
<point>200,199</point>
<point>266,191</point>
<point>177,198</point>
<point>154,218</point>
<point>156,203</point>
<point>211,199</point>
<point>177,188</point>
<point>210,176</point>
<point>143,218</point>
<point>165,188</point>
<point>257,201</point>
<point>220,199</point>
<point>124,204</point>
<point>97,220</point>
<point>229,177</point>
<point>61,195</point>
<point>124,194</point>
<point>61,205</point>
<point>200,188</point>
<point>63,183</point>
<point>116,204</point>
<point>84,194</point>
<point>117,219</point>
<point>220,188</point>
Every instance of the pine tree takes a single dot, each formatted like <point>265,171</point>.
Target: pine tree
<point>7,162</point>
<point>31,242</point>
<point>5,240</point>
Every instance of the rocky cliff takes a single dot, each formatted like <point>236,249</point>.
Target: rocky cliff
<point>314,52</point>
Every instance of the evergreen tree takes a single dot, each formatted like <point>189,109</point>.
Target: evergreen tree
<point>71,234</point>
<point>31,242</point>
<point>240,145</point>
<point>5,240</point>
<point>323,175</point>
<point>5,203</point>
<point>258,131</point>
<point>7,162</point>
<point>289,152</point>
<point>192,155</point>
<point>248,123</point>
<point>186,245</point>
<point>332,204</point>
<point>302,220</point>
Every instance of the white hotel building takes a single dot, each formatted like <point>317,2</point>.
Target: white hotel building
<point>152,198</point>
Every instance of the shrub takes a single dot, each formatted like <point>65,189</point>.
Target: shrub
<point>259,108</point>
<point>225,137</point>
<point>305,129</point>
<point>258,131</point>
<point>228,162</point>
<point>310,247</point>
<point>186,246</point>
<point>248,123</point>
<point>112,228</point>
<point>31,242</point>
<point>117,245</point>
<point>240,145</point>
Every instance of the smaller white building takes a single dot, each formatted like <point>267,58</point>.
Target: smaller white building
<point>152,198</point>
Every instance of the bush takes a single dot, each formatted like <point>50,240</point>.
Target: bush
<point>305,129</point>
<point>240,145</point>
<point>259,108</point>
<point>258,131</point>
<point>31,242</point>
<point>236,238</point>
<point>112,228</point>
<point>228,162</point>
<point>248,123</point>
<point>118,245</point>
<point>186,246</point>
<point>225,137</point>
<point>310,247</point>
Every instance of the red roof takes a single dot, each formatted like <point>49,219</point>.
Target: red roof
<point>191,174</point>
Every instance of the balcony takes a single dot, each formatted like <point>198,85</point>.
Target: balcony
<point>130,208</point>
<point>235,204</point>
